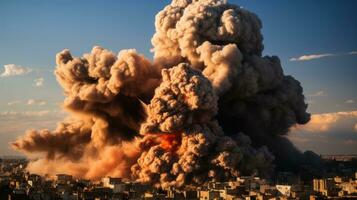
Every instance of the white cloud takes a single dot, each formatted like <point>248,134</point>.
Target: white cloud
<point>39,82</point>
<point>14,70</point>
<point>327,133</point>
<point>14,124</point>
<point>12,103</point>
<point>36,102</point>
<point>40,113</point>
<point>349,101</point>
<point>321,123</point>
<point>296,139</point>
<point>318,56</point>
<point>310,102</point>
<point>311,57</point>
<point>350,142</point>
<point>320,93</point>
<point>18,115</point>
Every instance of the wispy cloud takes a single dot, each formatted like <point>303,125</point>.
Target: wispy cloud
<point>13,124</point>
<point>350,142</point>
<point>14,70</point>
<point>350,101</point>
<point>36,102</point>
<point>294,138</point>
<point>29,102</point>
<point>40,113</point>
<point>320,93</point>
<point>19,115</point>
<point>39,82</point>
<point>311,57</point>
<point>327,133</point>
<point>321,123</point>
<point>12,103</point>
<point>318,56</point>
<point>310,101</point>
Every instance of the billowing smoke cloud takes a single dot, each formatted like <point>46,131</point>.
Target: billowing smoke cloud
<point>209,106</point>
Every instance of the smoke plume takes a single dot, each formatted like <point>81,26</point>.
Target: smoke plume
<point>208,107</point>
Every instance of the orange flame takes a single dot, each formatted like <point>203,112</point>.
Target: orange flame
<point>168,141</point>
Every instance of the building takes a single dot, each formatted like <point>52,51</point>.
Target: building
<point>285,190</point>
<point>63,178</point>
<point>110,182</point>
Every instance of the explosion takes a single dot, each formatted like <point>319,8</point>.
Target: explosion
<point>170,141</point>
<point>208,107</point>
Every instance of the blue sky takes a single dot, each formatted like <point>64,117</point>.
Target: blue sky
<point>32,32</point>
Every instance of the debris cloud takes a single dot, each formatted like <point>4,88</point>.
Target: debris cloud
<point>208,107</point>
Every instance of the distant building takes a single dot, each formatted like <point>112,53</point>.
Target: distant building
<point>97,193</point>
<point>287,178</point>
<point>208,195</point>
<point>110,182</point>
<point>327,187</point>
<point>16,183</point>
<point>349,188</point>
<point>63,178</point>
<point>18,194</point>
<point>284,189</point>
